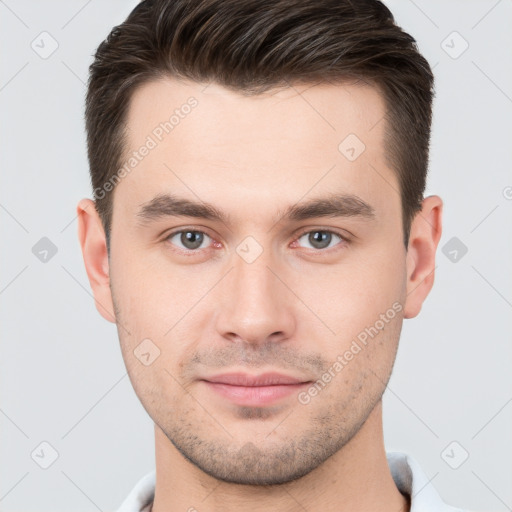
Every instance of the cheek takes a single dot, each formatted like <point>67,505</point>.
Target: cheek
<point>149,296</point>
<point>351,297</point>
<point>157,311</point>
<point>366,316</point>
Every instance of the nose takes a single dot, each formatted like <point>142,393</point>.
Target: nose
<point>255,305</point>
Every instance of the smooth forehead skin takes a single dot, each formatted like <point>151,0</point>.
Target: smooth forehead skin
<point>262,153</point>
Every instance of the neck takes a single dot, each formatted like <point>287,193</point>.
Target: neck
<point>356,478</point>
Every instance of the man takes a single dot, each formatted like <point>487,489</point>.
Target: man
<point>258,234</point>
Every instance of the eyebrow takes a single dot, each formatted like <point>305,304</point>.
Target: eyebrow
<point>334,205</point>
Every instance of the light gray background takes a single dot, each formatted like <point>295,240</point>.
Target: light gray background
<point>63,380</point>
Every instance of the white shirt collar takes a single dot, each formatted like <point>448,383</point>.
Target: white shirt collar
<point>411,480</point>
<point>407,474</point>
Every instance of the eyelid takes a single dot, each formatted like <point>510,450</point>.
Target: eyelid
<point>187,252</point>
<point>345,239</point>
<point>199,229</point>
<point>324,230</point>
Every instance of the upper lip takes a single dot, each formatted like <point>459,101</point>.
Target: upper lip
<point>245,379</point>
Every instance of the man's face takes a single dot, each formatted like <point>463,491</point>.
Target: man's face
<point>258,290</point>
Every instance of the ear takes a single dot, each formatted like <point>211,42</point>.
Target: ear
<point>425,234</point>
<point>94,250</point>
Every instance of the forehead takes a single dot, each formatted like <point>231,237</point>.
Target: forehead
<point>207,140</point>
<point>308,112</point>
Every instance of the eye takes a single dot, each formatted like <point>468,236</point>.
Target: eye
<point>189,239</point>
<point>321,238</point>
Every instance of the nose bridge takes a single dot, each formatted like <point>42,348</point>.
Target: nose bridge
<point>255,304</point>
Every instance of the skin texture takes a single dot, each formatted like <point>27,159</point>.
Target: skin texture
<point>294,309</point>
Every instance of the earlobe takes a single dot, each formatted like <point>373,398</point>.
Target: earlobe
<point>425,234</point>
<point>91,236</point>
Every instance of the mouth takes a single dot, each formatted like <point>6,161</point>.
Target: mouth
<point>254,390</point>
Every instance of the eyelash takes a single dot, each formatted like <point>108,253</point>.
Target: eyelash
<point>344,240</point>
<point>191,252</point>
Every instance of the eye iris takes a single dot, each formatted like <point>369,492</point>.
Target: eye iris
<point>319,241</point>
<point>191,239</point>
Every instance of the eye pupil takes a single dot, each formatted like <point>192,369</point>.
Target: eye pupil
<point>191,239</point>
<point>319,241</point>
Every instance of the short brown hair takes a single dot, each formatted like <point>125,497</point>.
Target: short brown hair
<point>255,45</point>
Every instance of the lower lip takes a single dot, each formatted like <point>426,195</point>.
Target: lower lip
<point>255,395</point>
